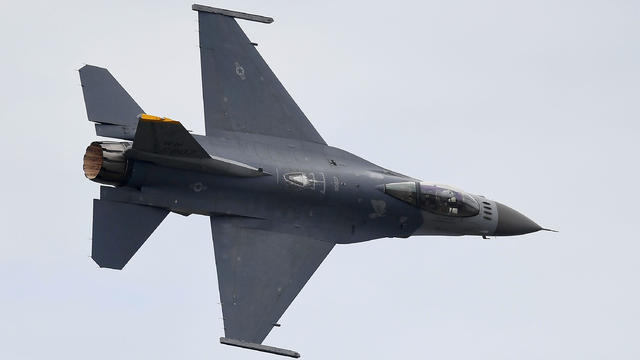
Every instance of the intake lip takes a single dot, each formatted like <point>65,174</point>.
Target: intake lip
<point>511,222</point>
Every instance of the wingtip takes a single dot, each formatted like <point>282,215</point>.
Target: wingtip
<point>259,347</point>
<point>232,13</point>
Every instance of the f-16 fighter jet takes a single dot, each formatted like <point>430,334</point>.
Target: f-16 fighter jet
<point>279,198</point>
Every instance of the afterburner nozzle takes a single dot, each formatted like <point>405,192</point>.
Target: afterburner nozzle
<point>104,162</point>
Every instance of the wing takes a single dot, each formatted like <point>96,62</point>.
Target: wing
<point>259,274</point>
<point>240,91</point>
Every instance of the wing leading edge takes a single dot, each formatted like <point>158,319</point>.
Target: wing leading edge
<point>240,91</point>
<point>260,272</point>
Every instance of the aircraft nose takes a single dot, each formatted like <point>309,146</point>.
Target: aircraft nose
<point>511,222</point>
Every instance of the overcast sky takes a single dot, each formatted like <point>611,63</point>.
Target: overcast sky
<point>531,103</point>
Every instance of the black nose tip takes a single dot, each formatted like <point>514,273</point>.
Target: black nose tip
<point>511,222</point>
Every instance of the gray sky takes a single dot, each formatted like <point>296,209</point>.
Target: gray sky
<point>531,103</point>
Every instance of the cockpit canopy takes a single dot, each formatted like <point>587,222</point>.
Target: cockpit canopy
<point>438,199</point>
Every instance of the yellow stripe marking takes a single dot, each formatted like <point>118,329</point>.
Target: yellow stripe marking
<point>147,117</point>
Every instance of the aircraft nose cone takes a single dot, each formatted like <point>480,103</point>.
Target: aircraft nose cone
<point>511,222</point>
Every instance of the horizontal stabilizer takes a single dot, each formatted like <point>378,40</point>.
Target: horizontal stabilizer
<point>108,103</point>
<point>120,229</point>
<point>166,142</point>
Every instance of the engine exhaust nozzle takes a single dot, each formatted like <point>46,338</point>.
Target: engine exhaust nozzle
<point>104,162</point>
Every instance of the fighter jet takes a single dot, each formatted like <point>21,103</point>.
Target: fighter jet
<point>278,197</point>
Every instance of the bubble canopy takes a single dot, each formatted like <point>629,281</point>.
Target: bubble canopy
<point>435,198</point>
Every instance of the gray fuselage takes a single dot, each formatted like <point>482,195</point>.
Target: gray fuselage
<point>312,190</point>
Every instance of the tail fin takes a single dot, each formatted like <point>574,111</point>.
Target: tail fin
<point>120,229</point>
<point>108,104</point>
<point>167,137</point>
<point>166,142</point>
